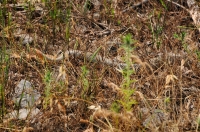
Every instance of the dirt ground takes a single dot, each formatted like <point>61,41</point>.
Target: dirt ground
<point>84,96</point>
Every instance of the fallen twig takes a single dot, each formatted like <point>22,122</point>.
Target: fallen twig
<point>135,5</point>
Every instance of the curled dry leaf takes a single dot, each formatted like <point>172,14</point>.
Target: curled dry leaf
<point>14,55</point>
<point>111,85</point>
<point>93,107</point>
<point>61,108</point>
<point>170,78</point>
<point>182,64</point>
<point>89,130</point>
<point>27,129</point>
<point>62,74</point>
<point>143,64</point>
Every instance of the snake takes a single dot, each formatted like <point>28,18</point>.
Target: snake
<point>89,56</point>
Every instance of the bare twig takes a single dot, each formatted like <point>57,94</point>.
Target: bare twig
<point>178,5</point>
<point>135,5</point>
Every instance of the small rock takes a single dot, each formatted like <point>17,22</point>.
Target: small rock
<point>96,16</point>
<point>23,113</point>
<point>155,119</point>
<point>26,39</point>
<point>25,95</point>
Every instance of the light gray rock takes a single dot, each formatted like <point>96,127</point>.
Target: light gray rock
<point>26,39</point>
<point>23,113</point>
<point>25,95</point>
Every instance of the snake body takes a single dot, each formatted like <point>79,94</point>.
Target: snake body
<point>89,56</point>
<point>92,57</point>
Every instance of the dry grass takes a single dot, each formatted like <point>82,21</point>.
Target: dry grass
<point>167,86</point>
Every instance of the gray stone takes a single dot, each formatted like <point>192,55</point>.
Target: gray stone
<point>155,119</point>
<point>25,95</point>
<point>26,39</point>
<point>23,113</point>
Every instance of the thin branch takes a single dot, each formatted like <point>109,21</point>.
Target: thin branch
<point>135,5</point>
